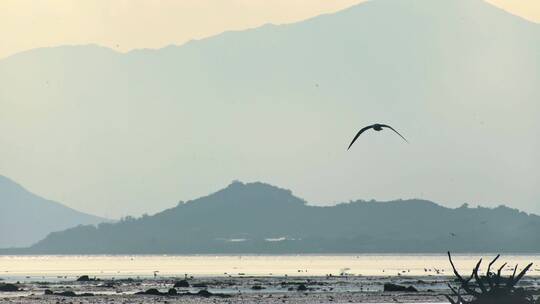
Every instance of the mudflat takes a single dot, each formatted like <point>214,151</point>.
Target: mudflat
<point>244,289</point>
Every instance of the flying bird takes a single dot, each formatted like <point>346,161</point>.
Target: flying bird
<point>376,127</point>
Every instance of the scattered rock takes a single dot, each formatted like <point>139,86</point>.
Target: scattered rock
<point>152,292</point>
<point>257,287</point>
<point>200,285</point>
<point>66,294</point>
<point>6,287</point>
<point>395,287</point>
<point>84,278</point>
<point>181,284</point>
<point>48,292</point>
<point>302,287</point>
<point>204,293</point>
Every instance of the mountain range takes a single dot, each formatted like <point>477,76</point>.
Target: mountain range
<point>132,133</point>
<point>26,218</point>
<point>260,218</point>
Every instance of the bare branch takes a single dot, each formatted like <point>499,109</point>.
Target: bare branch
<point>460,299</point>
<point>498,278</point>
<point>481,293</point>
<point>521,274</point>
<point>500,269</point>
<point>451,300</point>
<point>493,262</point>
<point>515,269</point>
<point>510,281</point>
<point>478,279</point>
<point>464,283</point>
<point>453,290</point>
<point>460,278</point>
<point>488,272</point>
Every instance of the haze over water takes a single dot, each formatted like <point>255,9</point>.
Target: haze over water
<point>53,268</point>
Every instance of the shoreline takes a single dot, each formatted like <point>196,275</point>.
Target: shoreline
<point>248,289</point>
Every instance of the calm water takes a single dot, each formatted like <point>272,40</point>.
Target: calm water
<point>68,267</point>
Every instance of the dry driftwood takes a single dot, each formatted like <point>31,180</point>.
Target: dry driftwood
<point>491,288</point>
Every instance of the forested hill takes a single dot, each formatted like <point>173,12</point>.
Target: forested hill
<point>260,218</point>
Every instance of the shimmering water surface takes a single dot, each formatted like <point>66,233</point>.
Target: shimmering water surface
<point>56,267</point>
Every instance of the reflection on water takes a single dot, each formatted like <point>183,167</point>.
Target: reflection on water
<point>60,267</point>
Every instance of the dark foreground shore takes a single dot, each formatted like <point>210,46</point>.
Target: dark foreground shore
<point>342,289</point>
<point>266,298</point>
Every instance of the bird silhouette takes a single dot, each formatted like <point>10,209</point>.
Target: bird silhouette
<point>376,127</point>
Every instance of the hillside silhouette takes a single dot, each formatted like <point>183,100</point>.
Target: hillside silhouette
<point>260,218</point>
<point>26,218</point>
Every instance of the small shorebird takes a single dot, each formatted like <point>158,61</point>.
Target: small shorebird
<point>376,127</point>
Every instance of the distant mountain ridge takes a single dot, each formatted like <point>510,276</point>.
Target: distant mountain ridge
<point>26,218</point>
<point>459,79</point>
<point>260,218</point>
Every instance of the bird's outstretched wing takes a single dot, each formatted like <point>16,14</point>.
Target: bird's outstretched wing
<point>358,134</point>
<point>389,127</point>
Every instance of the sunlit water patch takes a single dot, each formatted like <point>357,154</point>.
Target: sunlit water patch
<point>62,267</point>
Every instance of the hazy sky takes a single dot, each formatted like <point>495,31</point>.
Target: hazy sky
<point>63,163</point>
<point>128,24</point>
